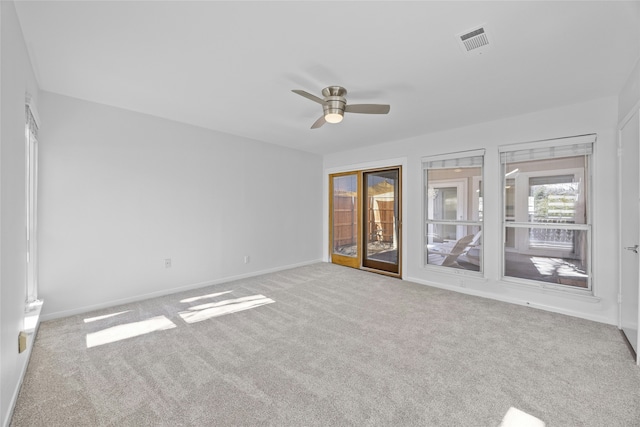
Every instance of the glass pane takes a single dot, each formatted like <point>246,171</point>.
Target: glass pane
<point>445,206</point>
<point>554,199</point>
<point>345,215</point>
<point>510,208</point>
<point>464,253</point>
<point>510,199</point>
<point>549,255</point>
<point>446,203</point>
<point>382,225</point>
<point>510,237</point>
<point>454,194</point>
<point>547,191</point>
<point>479,190</point>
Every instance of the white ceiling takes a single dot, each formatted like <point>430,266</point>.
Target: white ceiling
<point>230,66</point>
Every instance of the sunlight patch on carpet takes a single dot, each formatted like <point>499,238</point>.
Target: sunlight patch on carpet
<point>517,418</point>
<point>192,299</point>
<point>202,312</point>
<point>129,330</point>
<point>106,316</point>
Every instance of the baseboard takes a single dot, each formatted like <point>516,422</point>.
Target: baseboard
<point>88,308</point>
<point>512,300</point>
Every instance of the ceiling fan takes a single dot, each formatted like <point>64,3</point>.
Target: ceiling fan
<point>334,105</point>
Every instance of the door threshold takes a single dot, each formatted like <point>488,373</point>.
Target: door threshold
<point>384,273</point>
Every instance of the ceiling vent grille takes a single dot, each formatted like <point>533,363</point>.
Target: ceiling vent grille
<point>474,41</point>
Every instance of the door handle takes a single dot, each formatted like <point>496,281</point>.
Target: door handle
<point>632,248</point>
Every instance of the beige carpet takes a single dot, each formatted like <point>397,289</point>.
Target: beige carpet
<point>325,345</point>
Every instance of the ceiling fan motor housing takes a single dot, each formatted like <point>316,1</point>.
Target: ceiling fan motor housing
<point>335,101</point>
<point>334,105</point>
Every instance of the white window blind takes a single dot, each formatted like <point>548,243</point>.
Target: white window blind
<point>551,149</point>
<point>470,159</point>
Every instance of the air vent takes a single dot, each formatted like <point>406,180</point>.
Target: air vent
<point>475,40</point>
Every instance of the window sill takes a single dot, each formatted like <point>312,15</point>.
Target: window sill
<point>32,316</point>
<point>455,272</point>
<point>581,294</point>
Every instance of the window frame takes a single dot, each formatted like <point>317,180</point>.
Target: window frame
<point>32,124</point>
<point>587,175</point>
<point>476,220</point>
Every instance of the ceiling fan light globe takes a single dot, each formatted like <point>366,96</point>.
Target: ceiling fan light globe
<point>333,117</point>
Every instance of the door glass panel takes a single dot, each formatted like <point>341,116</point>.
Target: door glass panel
<point>345,215</point>
<point>381,233</point>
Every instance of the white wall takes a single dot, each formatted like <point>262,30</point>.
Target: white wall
<point>629,98</point>
<point>597,116</point>
<point>121,191</point>
<point>17,78</point>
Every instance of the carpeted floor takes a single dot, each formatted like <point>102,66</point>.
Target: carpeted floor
<point>324,345</point>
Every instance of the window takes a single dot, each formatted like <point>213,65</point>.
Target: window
<point>31,155</point>
<point>546,214</point>
<point>453,211</point>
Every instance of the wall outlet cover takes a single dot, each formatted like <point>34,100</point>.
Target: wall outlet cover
<point>22,341</point>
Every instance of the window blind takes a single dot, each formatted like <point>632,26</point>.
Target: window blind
<point>546,153</point>
<point>471,159</point>
<point>549,149</point>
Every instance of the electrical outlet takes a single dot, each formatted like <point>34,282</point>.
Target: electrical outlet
<point>167,263</point>
<point>22,341</point>
<point>246,259</point>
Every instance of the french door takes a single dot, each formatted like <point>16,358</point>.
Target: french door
<point>365,219</point>
<point>345,235</point>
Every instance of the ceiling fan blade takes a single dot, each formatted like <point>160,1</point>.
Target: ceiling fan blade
<point>318,123</point>
<point>367,108</point>
<point>309,96</point>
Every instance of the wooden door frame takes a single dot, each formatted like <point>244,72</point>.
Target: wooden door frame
<point>354,262</point>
